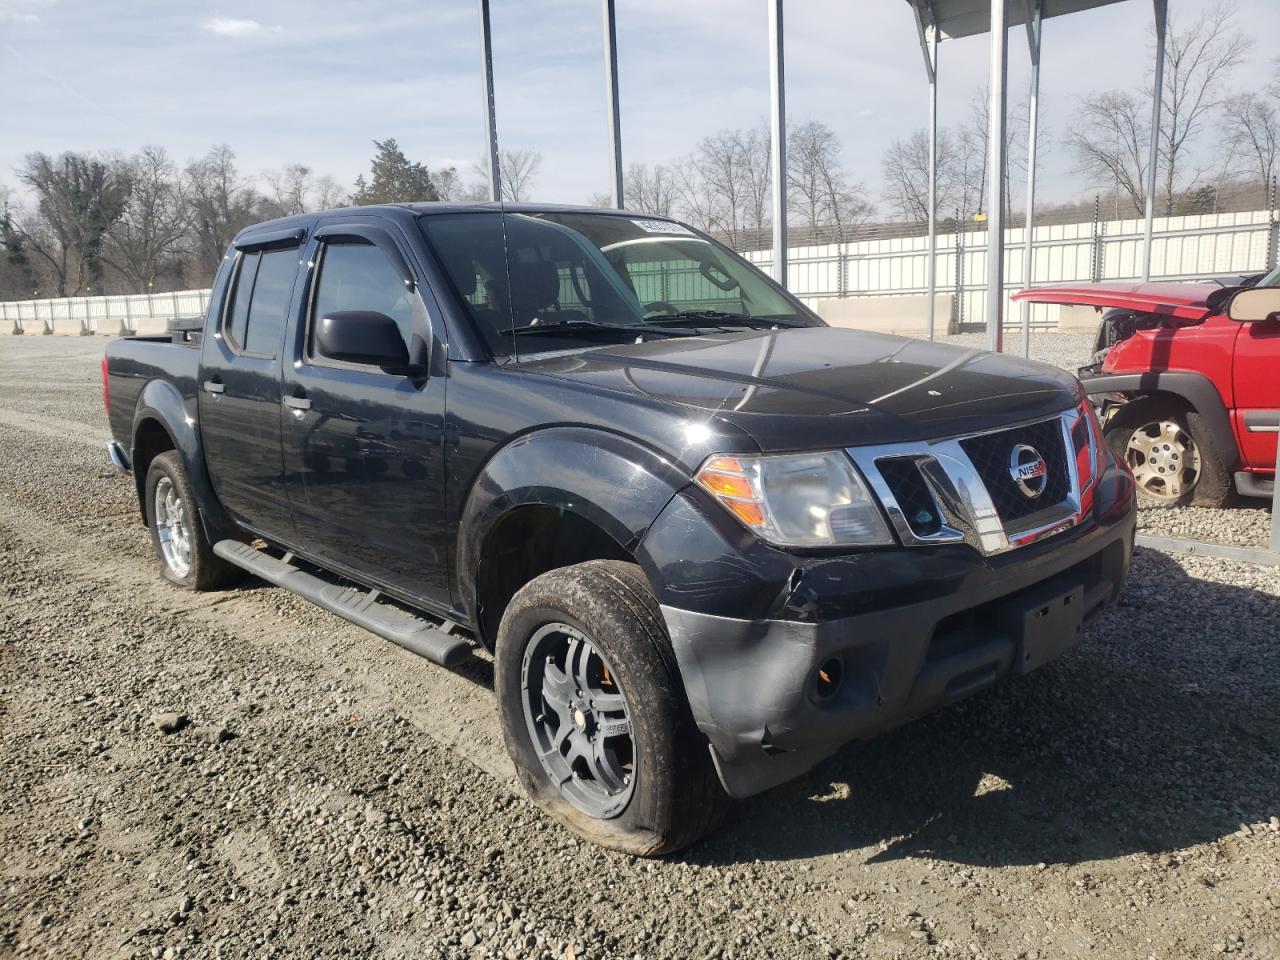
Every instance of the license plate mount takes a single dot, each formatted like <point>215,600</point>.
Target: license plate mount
<point>1044,623</point>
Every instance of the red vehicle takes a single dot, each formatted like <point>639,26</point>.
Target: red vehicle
<point>1187,379</point>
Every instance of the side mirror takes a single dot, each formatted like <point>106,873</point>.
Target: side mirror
<point>1255,305</point>
<point>364,337</point>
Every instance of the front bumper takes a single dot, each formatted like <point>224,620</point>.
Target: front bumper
<point>904,631</point>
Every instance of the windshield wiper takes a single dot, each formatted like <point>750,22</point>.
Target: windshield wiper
<point>573,327</point>
<point>719,318</point>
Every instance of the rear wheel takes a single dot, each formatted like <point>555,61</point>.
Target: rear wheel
<point>177,535</point>
<point>1171,452</point>
<point>594,715</point>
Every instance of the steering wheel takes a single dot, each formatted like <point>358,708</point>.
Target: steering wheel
<point>661,306</point>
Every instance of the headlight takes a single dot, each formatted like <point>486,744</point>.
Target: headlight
<point>797,500</point>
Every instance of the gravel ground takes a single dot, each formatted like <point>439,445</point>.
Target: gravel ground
<point>242,775</point>
<point>1246,524</point>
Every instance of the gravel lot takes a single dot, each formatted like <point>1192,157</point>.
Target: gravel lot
<point>242,775</point>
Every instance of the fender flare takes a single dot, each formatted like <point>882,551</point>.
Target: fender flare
<point>602,477</point>
<point>1195,388</point>
<point>160,401</point>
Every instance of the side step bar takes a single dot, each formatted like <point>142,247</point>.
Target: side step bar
<point>356,606</point>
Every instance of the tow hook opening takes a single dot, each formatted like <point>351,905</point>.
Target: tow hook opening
<point>826,679</point>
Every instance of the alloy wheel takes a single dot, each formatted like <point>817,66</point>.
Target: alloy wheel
<point>1164,459</point>
<point>578,719</point>
<point>173,527</point>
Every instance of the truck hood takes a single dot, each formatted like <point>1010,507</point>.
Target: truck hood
<point>1186,301</point>
<point>809,388</point>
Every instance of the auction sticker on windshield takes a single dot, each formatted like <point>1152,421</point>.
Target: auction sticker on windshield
<point>663,226</point>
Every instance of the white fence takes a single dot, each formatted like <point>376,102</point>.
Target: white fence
<point>1184,248</point>
<point>113,316</point>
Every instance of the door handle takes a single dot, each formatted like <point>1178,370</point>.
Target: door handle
<point>297,403</point>
<point>214,386</point>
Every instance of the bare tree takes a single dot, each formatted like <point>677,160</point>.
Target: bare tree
<point>448,183</point>
<point>78,198</point>
<point>1200,60</point>
<point>518,171</point>
<point>754,159</point>
<point>904,169</point>
<point>289,190</point>
<point>1110,132</point>
<point>650,189</point>
<point>1251,126</point>
<point>972,154</point>
<point>732,182</point>
<point>328,193</point>
<point>819,191</point>
<point>147,240</point>
<point>220,204</point>
<point>965,174</point>
<point>1109,136</point>
<point>696,198</point>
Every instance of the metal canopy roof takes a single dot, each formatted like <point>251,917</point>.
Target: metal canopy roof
<point>967,18</point>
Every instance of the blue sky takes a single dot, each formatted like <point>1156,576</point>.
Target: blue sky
<point>315,82</point>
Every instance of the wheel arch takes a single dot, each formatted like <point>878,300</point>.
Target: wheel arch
<point>162,422</point>
<point>558,497</point>
<point>1194,390</point>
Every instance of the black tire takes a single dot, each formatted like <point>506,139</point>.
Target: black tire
<point>1211,485</point>
<point>676,796</point>
<point>205,570</point>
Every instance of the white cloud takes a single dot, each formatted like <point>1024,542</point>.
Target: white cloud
<point>233,27</point>
<point>21,11</point>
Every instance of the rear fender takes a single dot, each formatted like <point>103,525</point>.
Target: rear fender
<point>161,402</point>
<point>610,481</point>
<point>1194,388</point>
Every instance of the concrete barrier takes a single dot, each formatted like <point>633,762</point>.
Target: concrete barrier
<point>905,315</point>
<point>116,315</point>
<point>146,327</point>
<point>1078,319</point>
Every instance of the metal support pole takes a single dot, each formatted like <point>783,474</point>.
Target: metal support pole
<point>1273,226</point>
<point>1157,94</point>
<point>931,268</point>
<point>611,100</point>
<point>959,301</point>
<point>778,141</point>
<point>1275,505</point>
<point>995,176</point>
<point>928,34</point>
<point>490,116</point>
<point>1033,118</point>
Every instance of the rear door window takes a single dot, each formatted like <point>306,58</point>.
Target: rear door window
<point>238,315</point>
<point>269,308</point>
<point>260,301</point>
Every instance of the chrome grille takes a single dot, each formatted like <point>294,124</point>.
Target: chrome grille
<point>990,456</point>
<point>965,482</point>
<point>919,509</point>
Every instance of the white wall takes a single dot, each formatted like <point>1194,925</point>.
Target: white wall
<point>1183,248</point>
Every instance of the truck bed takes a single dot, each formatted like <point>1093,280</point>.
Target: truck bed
<point>135,362</point>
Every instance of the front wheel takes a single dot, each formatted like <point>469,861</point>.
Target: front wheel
<point>594,715</point>
<point>1171,452</point>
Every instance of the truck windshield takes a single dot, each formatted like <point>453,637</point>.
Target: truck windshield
<point>560,280</point>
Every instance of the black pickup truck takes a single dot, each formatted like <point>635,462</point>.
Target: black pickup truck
<point>706,538</point>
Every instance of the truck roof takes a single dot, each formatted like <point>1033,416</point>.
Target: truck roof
<point>434,207</point>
